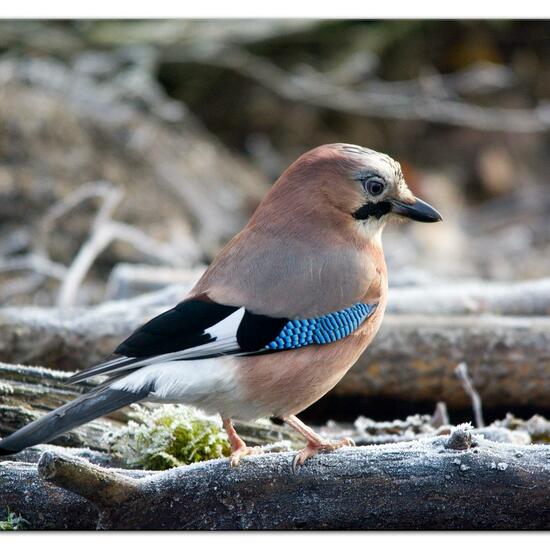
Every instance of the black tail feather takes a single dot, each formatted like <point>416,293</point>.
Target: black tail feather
<point>83,409</point>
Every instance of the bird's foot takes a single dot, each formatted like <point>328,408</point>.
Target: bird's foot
<point>237,454</point>
<point>312,448</point>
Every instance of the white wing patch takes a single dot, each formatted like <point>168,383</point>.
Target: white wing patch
<point>225,334</point>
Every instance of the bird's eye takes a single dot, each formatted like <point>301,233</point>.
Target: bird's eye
<point>374,186</point>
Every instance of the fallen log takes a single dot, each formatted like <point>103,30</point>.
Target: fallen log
<point>75,338</point>
<point>412,358</point>
<point>467,297</point>
<point>455,482</point>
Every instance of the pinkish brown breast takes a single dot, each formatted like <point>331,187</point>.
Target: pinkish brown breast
<point>286,383</point>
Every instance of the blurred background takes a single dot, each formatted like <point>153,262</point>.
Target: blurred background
<point>131,151</point>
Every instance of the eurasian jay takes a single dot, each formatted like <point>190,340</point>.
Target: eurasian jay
<point>281,314</point>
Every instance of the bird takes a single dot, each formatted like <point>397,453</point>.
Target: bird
<point>277,319</point>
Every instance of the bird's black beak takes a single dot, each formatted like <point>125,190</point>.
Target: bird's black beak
<point>419,211</point>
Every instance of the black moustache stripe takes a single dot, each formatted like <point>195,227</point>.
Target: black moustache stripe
<point>374,209</point>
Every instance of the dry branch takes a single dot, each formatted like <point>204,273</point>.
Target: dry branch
<point>103,232</point>
<point>42,504</point>
<point>454,482</point>
<point>467,297</point>
<point>101,486</point>
<point>462,373</point>
<point>99,238</point>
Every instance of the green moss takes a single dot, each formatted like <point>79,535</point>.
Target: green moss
<point>169,436</point>
<point>13,522</point>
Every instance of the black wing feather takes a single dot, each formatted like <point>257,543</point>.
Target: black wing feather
<point>174,330</point>
<point>256,331</point>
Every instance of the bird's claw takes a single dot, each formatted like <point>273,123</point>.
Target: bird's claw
<point>312,449</point>
<point>236,455</point>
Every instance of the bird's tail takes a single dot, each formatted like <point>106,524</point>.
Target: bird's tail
<point>83,409</point>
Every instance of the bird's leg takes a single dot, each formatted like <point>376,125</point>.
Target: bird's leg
<point>238,446</point>
<point>315,442</point>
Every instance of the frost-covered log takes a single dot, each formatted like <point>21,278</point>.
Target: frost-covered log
<point>462,298</point>
<point>27,392</point>
<point>454,482</point>
<point>42,504</point>
<point>413,357</point>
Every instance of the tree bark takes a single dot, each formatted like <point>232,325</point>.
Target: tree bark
<point>455,482</point>
<point>41,504</point>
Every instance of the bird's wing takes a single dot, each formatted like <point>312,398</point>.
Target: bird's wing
<point>197,329</point>
<point>194,329</point>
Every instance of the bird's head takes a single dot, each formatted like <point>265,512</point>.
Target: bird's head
<point>347,184</point>
<point>370,187</point>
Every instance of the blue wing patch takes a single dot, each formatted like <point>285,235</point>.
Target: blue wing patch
<point>322,330</point>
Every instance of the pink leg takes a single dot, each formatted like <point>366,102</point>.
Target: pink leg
<point>238,446</point>
<point>315,442</point>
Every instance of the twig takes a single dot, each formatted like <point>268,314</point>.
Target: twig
<point>35,262</point>
<point>440,416</point>
<point>462,373</point>
<point>40,266</point>
<point>21,285</point>
<point>66,204</point>
<point>475,79</point>
<point>99,239</point>
<point>103,232</point>
<point>145,244</point>
<point>99,485</point>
